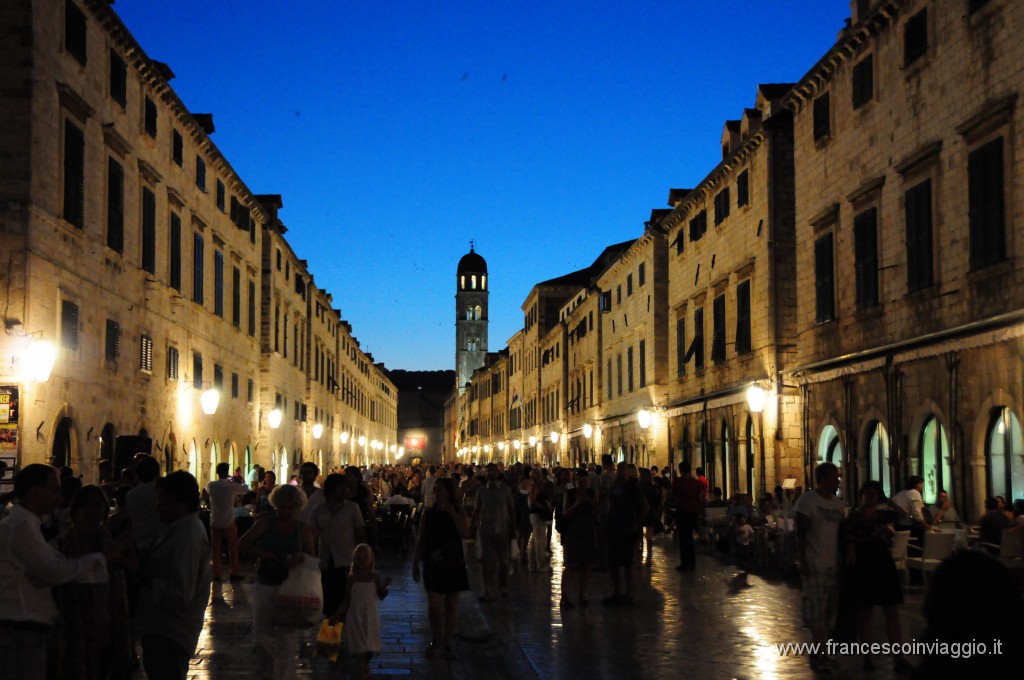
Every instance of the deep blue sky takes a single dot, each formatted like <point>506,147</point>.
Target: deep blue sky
<point>398,130</point>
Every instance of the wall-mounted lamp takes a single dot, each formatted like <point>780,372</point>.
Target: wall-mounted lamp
<point>588,430</point>
<point>209,400</point>
<point>344,437</point>
<point>643,418</point>
<point>756,398</point>
<point>318,431</point>
<point>274,419</point>
<point>554,437</point>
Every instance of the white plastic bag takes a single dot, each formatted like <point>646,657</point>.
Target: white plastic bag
<point>300,599</point>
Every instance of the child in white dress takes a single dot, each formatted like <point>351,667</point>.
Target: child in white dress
<point>359,610</point>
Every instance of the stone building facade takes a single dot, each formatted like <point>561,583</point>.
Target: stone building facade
<point>854,258</point>
<point>132,246</point>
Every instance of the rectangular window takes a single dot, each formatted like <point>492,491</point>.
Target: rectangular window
<point>200,173</point>
<point>618,374</point>
<point>643,363</point>
<point>629,284</point>
<point>698,225</point>
<point>197,370</point>
<point>680,347</point>
<point>917,203</point>
<point>74,175</point>
<point>234,386</point>
<point>220,195</point>
<point>146,354</point>
<point>721,206</point>
<point>69,325</point>
<point>115,206</point>
<point>863,82</point>
<point>743,317</point>
<point>743,189</point>
<point>113,343</point>
<point>118,79</point>
<point>629,369</point>
<point>618,294</point>
<point>915,37</point>
<point>218,377</point>
<point>986,204</point>
<point>252,308</point>
<point>641,274</point>
<point>718,330</point>
<point>822,118</point>
<point>177,148</point>
<point>250,391</point>
<point>197,268</point>
<point>865,245</point>
<point>236,297</point>
<point>609,378</point>
<point>148,231</point>
<point>697,347</point>
<point>75,32</point>
<point>174,275</point>
<point>172,363</point>
<point>824,281</point>
<point>218,283</point>
<point>149,117</point>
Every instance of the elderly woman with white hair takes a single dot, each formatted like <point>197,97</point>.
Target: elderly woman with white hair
<point>280,542</point>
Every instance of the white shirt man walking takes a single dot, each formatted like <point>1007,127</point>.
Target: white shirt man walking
<point>222,492</point>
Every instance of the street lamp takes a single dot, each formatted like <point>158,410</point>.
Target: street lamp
<point>209,400</point>
<point>318,431</point>
<point>40,356</point>
<point>756,398</point>
<point>274,419</point>
<point>344,437</point>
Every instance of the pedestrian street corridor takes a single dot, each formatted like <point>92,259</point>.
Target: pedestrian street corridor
<point>707,623</point>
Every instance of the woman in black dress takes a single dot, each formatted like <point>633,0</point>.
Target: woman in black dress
<point>439,546</point>
<point>873,579</point>
<point>579,536</point>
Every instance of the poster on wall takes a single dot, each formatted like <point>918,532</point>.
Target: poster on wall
<point>8,436</point>
<point>415,443</point>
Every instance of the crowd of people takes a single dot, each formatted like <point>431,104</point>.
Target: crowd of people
<point>126,564</point>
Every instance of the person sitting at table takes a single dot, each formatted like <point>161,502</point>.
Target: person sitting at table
<point>911,502</point>
<point>992,524</point>
<point>943,511</point>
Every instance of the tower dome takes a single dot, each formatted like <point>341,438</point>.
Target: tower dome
<point>472,263</point>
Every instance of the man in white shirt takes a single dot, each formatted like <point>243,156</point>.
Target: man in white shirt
<point>911,501</point>
<point>222,492</point>
<point>818,514</point>
<point>29,568</point>
<point>338,525</point>
<point>427,488</point>
<point>308,472</point>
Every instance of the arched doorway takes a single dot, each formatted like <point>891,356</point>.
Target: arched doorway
<point>283,466</point>
<point>726,462</point>
<point>193,459</point>
<point>934,457</point>
<point>750,444</point>
<point>830,450</point>
<point>170,454</point>
<point>60,453</point>
<point>1004,455</point>
<point>108,437</point>
<point>877,454</point>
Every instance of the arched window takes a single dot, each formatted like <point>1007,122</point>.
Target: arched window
<point>472,281</point>
<point>478,312</point>
<point>878,456</point>
<point>934,457</point>
<point>282,474</point>
<point>483,282</point>
<point>60,454</point>
<point>726,464</point>
<point>108,437</point>
<point>830,450</point>
<point>471,344</point>
<point>462,282</point>
<point>1005,455</point>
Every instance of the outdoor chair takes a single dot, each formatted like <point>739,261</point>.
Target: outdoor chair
<point>937,547</point>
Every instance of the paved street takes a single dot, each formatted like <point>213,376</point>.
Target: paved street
<point>704,624</point>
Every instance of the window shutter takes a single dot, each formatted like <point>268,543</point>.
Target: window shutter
<point>113,340</point>
<point>986,208</point>
<point>865,236</point>
<point>918,209</point>
<point>197,370</point>
<point>69,325</point>
<point>172,363</point>
<point>718,330</point>
<point>743,317</point>
<point>175,255</point>
<point>823,279</point>
<point>115,206</point>
<point>148,231</point>
<point>74,175</point>
<point>146,354</point>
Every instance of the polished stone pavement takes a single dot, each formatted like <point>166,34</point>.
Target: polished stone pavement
<point>701,624</point>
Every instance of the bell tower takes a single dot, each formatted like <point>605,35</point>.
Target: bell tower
<point>470,316</point>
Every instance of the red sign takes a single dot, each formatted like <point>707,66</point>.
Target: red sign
<point>415,443</point>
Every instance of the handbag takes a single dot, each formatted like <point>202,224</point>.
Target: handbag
<point>300,599</point>
<point>328,640</point>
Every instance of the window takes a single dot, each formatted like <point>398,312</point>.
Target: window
<point>680,347</point>
<point>698,225</point>
<point>115,206</point>
<point>197,370</point>
<point>878,456</point>
<point>609,378</point>
<point>824,292</point>
<point>200,173</point>
<point>721,206</point>
<point>218,377</point>
<point>69,325</point>
<point>113,343</point>
<point>1005,455</point>
<point>148,231</point>
<point>743,189</point>
<point>629,284</point>
<point>250,391</point>
<point>718,330</point>
<point>865,244</point>
<point>697,346</point>
<point>236,297</point>
<point>629,369</point>
<point>641,274</point>
<point>197,268</point>
<point>74,174</point>
<point>218,283</point>
<point>252,308</point>
<point>220,195</point>
<point>915,37</point>
<point>118,79</point>
<point>917,203</point>
<point>986,207</point>
<point>618,294</point>
<point>174,275</point>
<point>822,118</point>
<point>618,373</point>
<point>177,148</point>
<point>149,117</point>
<point>234,386</point>
<point>935,456</point>
<point>146,354</point>
<point>643,363</point>
<point>74,32</point>
<point>863,82</point>
<point>172,363</point>
<point>743,317</point>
